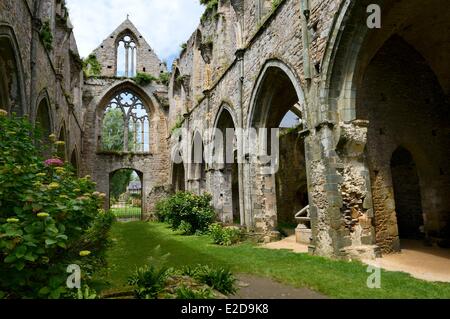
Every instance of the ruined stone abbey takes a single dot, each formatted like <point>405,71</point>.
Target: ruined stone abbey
<point>366,166</point>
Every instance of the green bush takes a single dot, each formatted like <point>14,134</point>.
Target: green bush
<point>187,212</point>
<point>149,281</point>
<point>225,236</point>
<point>217,278</point>
<point>144,79</point>
<point>49,218</point>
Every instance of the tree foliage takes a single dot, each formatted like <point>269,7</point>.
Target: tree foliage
<point>113,130</point>
<point>119,182</point>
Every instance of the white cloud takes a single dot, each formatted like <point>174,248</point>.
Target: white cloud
<point>165,24</point>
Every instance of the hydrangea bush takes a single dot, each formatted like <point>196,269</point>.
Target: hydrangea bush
<point>49,218</point>
<point>186,212</point>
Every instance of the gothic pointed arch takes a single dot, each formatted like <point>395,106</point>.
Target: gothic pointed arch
<point>43,121</point>
<point>127,120</point>
<point>407,51</point>
<point>278,156</point>
<point>12,87</point>
<point>75,160</point>
<point>62,137</point>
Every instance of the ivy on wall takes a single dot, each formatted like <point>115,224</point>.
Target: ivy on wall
<point>46,36</point>
<point>211,7</point>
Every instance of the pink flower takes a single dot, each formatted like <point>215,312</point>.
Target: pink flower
<point>54,162</point>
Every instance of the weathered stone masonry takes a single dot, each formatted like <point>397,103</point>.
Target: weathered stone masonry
<point>371,155</point>
<point>322,56</point>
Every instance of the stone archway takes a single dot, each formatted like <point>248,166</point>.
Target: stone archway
<point>62,149</point>
<point>74,161</point>
<point>12,95</point>
<point>126,194</point>
<point>411,110</point>
<point>384,88</point>
<point>275,201</point>
<point>226,168</point>
<point>43,124</point>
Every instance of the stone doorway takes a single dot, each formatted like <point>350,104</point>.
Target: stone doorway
<point>125,194</point>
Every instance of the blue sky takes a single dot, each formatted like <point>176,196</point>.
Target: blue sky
<point>165,24</point>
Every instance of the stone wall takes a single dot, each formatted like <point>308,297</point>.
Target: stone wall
<point>324,52</point>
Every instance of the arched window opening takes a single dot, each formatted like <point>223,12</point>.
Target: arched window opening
<point>44,128</point>
<point>126,56</point>
<point>74,162</point>
<point>126,125</point>
<point>61,149</point>
<point>10,91</point>
<point>125,194</point>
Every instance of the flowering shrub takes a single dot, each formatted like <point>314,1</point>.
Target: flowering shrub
<point>49,219</point>
<point>187,212</point>
<point>225,236</point>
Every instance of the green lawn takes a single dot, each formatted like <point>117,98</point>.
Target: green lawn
<point>135,242</point>
<point>128,212</point>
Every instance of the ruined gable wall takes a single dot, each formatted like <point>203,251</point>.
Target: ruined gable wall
<point>147,59</point>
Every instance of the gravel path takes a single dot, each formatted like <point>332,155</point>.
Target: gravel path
<point>252,287</point>
<point>422,262</point>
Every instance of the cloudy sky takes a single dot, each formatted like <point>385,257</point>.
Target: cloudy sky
<point>165,24</point>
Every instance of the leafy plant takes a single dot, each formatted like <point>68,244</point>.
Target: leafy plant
<point>164,78</point>
<point>149,281</point>
<point>187,293</point>
<point>144,79</point>
<point>86,293</point>
<point>218,278</point>
<point>177,126</point>
<point>91,66</point>
<point>225,236</point>
<point>49,218</point>
<point>211,7</point>
<point>46,35</point>
<point>184,209</point>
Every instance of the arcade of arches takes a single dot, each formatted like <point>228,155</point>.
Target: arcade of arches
<point>364,155</point>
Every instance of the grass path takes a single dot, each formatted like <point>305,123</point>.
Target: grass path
<point>135,243</point>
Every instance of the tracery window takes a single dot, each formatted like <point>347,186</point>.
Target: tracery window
<point>126,125</point>
<point>126,56</point>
